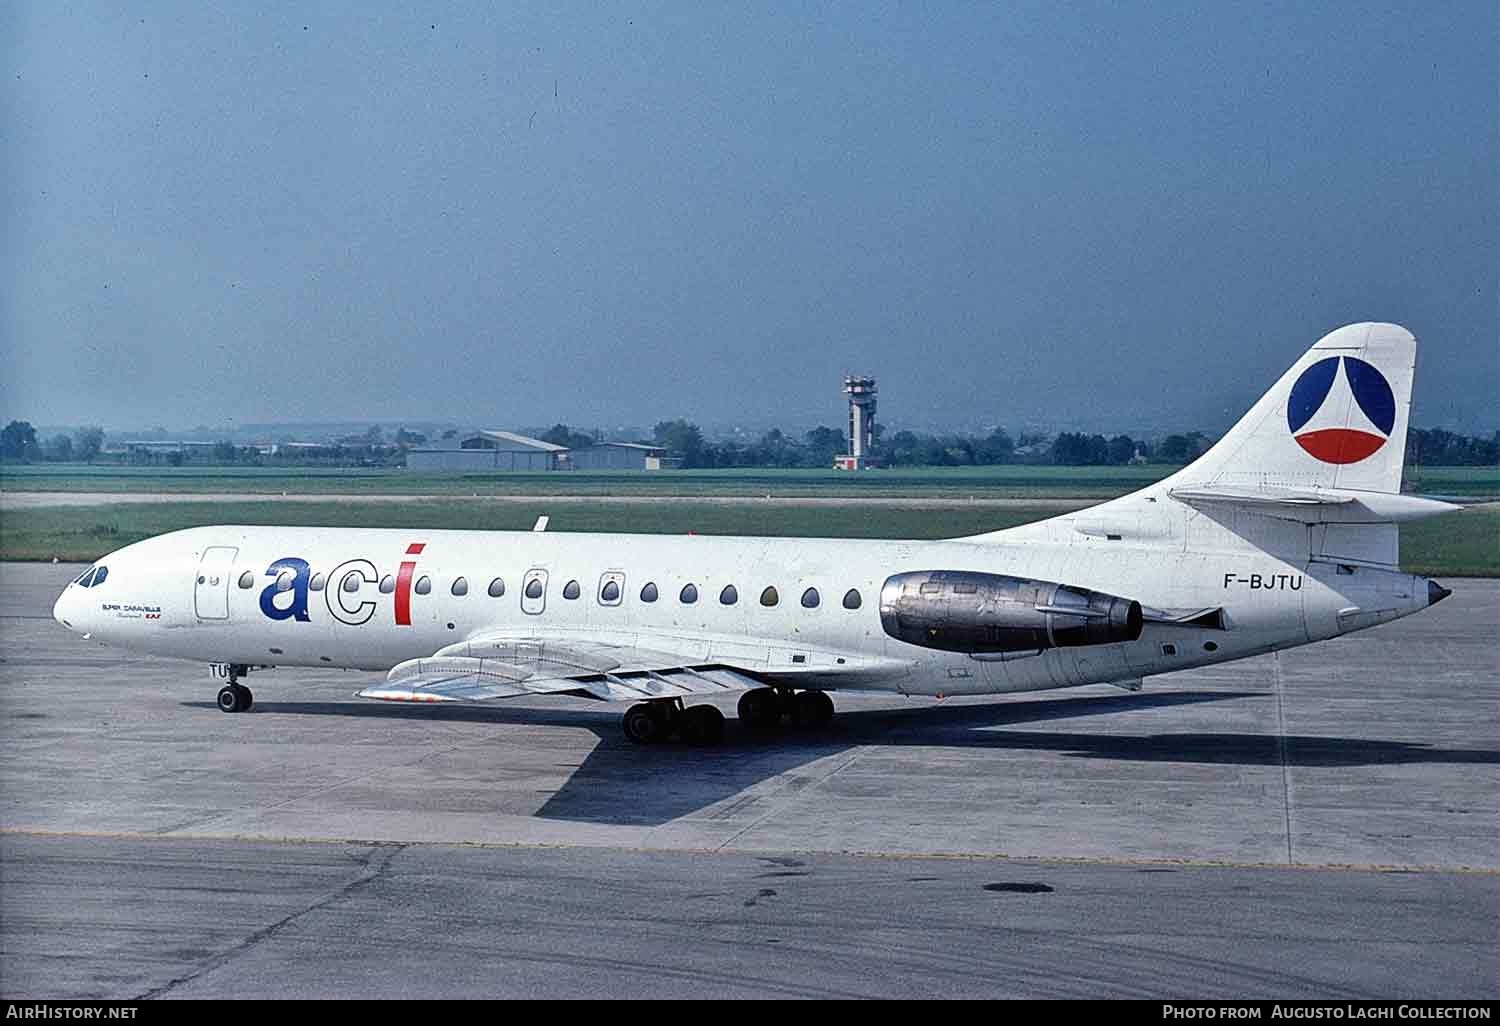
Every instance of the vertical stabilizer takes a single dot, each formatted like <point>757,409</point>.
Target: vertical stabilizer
<point>1335,420</point>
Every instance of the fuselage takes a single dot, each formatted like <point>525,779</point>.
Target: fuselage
<point>808,608</point>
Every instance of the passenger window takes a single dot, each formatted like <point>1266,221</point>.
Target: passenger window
<point>316,584</point>
<point>851,599</point>
<point>460,586</point>
<point>497,588</point>
<point>387,584</point>
<point>534,592</point>
<point>610,592</point>
<point>350,582</point>
<point>648,593</point>
<point>423,585</point>
<point>247,579</point>
<point>730,595</point>
<point>287,578</point>
<point>811,599</point>
<point>689,594</point>
<point>571,590</point>
<point>769,597</point>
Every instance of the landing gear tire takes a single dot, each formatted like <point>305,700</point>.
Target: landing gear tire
<point>812,710</point>
<point>668,715</point>
<point>235,698</point>
<point>644,725</point>
<point>702,725</point>
<point>760,709</point>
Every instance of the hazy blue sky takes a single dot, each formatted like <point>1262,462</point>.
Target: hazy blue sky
<point>1095,214</point>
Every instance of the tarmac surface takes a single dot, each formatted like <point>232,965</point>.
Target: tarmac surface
<point>1320,823</point>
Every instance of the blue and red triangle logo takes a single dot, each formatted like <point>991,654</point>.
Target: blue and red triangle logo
<point>1341,442</point>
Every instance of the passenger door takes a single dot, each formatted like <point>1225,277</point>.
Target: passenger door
<point>211,590</point>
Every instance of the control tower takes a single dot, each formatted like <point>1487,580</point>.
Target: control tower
<point>861,393</point>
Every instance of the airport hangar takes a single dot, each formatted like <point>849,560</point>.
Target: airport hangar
<point>506,450</point>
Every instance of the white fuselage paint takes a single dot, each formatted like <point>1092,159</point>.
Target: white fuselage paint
<point>153,601</point>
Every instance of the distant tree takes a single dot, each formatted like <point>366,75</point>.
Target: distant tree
<point>1120,450</point>
<point>1080,450</point>
<point>374,436</point>
<point>18,441</point>
<point>1182,448</point>
<point>1439,448</point>
<point>226,452</point>
<point>681,438</point>
<point>87,441</point>
<point>823,444</point>
<point>997,447</point>
<point>406,439</point>
<point>59,449</point>
<point>561,434</point>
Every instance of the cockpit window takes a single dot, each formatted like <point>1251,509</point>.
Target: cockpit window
<point>92,576</point>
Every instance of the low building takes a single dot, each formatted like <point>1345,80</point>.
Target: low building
<point>617,456</point>
<point>489,451</point>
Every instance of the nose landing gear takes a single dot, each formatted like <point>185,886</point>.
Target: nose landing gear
<point>234,696</point>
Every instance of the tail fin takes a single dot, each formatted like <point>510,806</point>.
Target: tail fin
<point>1335,420</point>
<point>1312,471</point>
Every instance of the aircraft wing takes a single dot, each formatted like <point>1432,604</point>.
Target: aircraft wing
<point>500,667</point>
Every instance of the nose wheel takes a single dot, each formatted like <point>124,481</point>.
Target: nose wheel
<point>235,698</point>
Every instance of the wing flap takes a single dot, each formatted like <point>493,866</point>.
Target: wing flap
<point>555,670</point>
<point>624,666</point>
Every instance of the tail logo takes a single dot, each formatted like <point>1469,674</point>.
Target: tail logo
<point>1318,426</point>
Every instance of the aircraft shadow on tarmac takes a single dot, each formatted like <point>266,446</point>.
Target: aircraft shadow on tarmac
<point>620,783</point>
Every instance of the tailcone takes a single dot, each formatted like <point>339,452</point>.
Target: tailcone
<point>1436,593</point>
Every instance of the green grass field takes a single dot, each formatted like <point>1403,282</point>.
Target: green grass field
<point>1459,544</point>
<point>934,482</point>
<point>937,482</point>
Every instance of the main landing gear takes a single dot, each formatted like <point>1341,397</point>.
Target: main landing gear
<point>234,696</point>
<point>648,723</point>
<point>660,719</point>
<point>765,708</point>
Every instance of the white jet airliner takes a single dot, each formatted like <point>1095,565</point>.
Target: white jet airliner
<point>1283,533</point>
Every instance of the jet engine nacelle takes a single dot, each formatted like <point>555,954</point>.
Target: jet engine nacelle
<point>979,613</point>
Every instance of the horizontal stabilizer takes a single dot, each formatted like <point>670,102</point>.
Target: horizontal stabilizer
<point>1314,505</point>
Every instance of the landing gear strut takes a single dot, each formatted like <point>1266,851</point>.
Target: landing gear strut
<point>649,723</point>
<point>234,696</point>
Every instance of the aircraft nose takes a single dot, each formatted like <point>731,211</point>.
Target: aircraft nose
<point>62,608</point>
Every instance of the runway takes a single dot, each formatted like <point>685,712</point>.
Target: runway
<point>1321,823</point>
